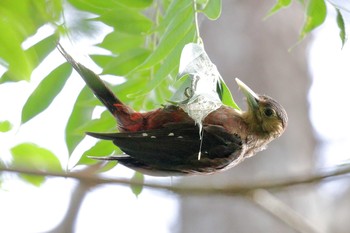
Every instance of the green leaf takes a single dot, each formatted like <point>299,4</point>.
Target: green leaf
<point>173,35</point>
<point>40,50</point>
<point>136,3</point>
<point>119,42</point>
<point>46,92</point>
<point>278,6</point>
<point>19,66</point>
<point>341,25</point>
<point>108,166</point>
<point>132,85</point>
<point>5,126</point>
<point>105,123</point>
<point>136,188</point>
<point>82,112</point>
<point>170,63</point>
<point>23,62</point>
<point>202,2</point>
<point>95,6</point>
<point>18,21</point>
<point>213,9</point>
<point>100,149</point>
<point>123,63</point>
<point>33,157</point>
<point>315,15</point>
<point>227,98</point>
<point>54,9</point>
<point>126,20</point>
<point>175,8</point>
<point>102,60</point>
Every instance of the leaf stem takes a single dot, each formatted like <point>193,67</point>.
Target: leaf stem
<point>199,39</point>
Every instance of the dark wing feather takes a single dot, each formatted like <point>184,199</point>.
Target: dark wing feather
<point>175,148</point>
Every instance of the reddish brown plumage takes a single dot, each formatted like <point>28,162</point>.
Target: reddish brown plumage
<point>166,141</point>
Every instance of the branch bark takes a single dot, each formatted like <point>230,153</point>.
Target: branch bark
<point>190,190</point>
<point>282,212</point>
<point>68,222</point>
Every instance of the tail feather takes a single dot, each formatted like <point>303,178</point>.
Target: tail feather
<point>110,158</point>
<point>104,136</point>
<point>101,91</point>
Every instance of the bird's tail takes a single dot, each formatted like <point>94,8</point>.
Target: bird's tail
<point>101,91</point>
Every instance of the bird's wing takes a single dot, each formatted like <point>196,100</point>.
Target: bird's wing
<point>175,148</point>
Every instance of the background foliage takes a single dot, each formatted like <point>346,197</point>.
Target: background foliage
<point>143,46</point>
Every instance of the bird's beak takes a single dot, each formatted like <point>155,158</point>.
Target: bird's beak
<point>252,97</point>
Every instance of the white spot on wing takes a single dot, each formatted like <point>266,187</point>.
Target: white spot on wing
<point>171,134</point>
<point>144,134</point>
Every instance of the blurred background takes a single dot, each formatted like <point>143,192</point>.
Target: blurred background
<point>310,79</point>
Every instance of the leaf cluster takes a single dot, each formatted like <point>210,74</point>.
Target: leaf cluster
<point>143,47</point>
<point>315,15</point>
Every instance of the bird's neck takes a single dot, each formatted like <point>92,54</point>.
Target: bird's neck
<point>254,125</point>
<point>257,138</point>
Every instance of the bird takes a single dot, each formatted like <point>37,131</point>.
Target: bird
<point>166,142</point>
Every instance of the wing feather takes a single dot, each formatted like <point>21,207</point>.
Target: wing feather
<point>175,148</point>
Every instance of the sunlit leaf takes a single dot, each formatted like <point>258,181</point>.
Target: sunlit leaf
<point>54,8</point>
<point>119,42</point>
<point>315,15</point>
<point>136,3</point>
<point>82,112</point>
<point>123,63</point>
<point>170,63</point>
<point>278,6</point>
<point>26,16</point>
<point>102,60</point>
<point>171,15</point>
<point>126,20</point>
<point>227,98</point>
<point>33,157</point>
<point>18,64</point>
<point>202,2</point>
<point>132,86</point>
<point>5,126</point>
<point>45,93</point>
<point>20,19</point>
<point>95,6</point>
<point>170,38</point>
<point>100,149</point>
<point>22,62</point>
<point>105,123</point>
<point>40,50</point>
<point>341,26</point>
<point>137,188</point>
<point>213,9</point>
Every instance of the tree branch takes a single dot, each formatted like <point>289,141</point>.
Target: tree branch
<point>282,212</point>
<point>68,222</point>
<point>190,190</point>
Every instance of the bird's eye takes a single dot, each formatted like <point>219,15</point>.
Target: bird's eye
<point>269,112</point>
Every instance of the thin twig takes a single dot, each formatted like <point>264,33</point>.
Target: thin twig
<point>190,190</point>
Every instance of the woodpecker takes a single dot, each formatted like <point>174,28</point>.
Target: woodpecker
<point>166,142</point>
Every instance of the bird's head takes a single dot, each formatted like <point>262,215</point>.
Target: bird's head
<point>264,116</point>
